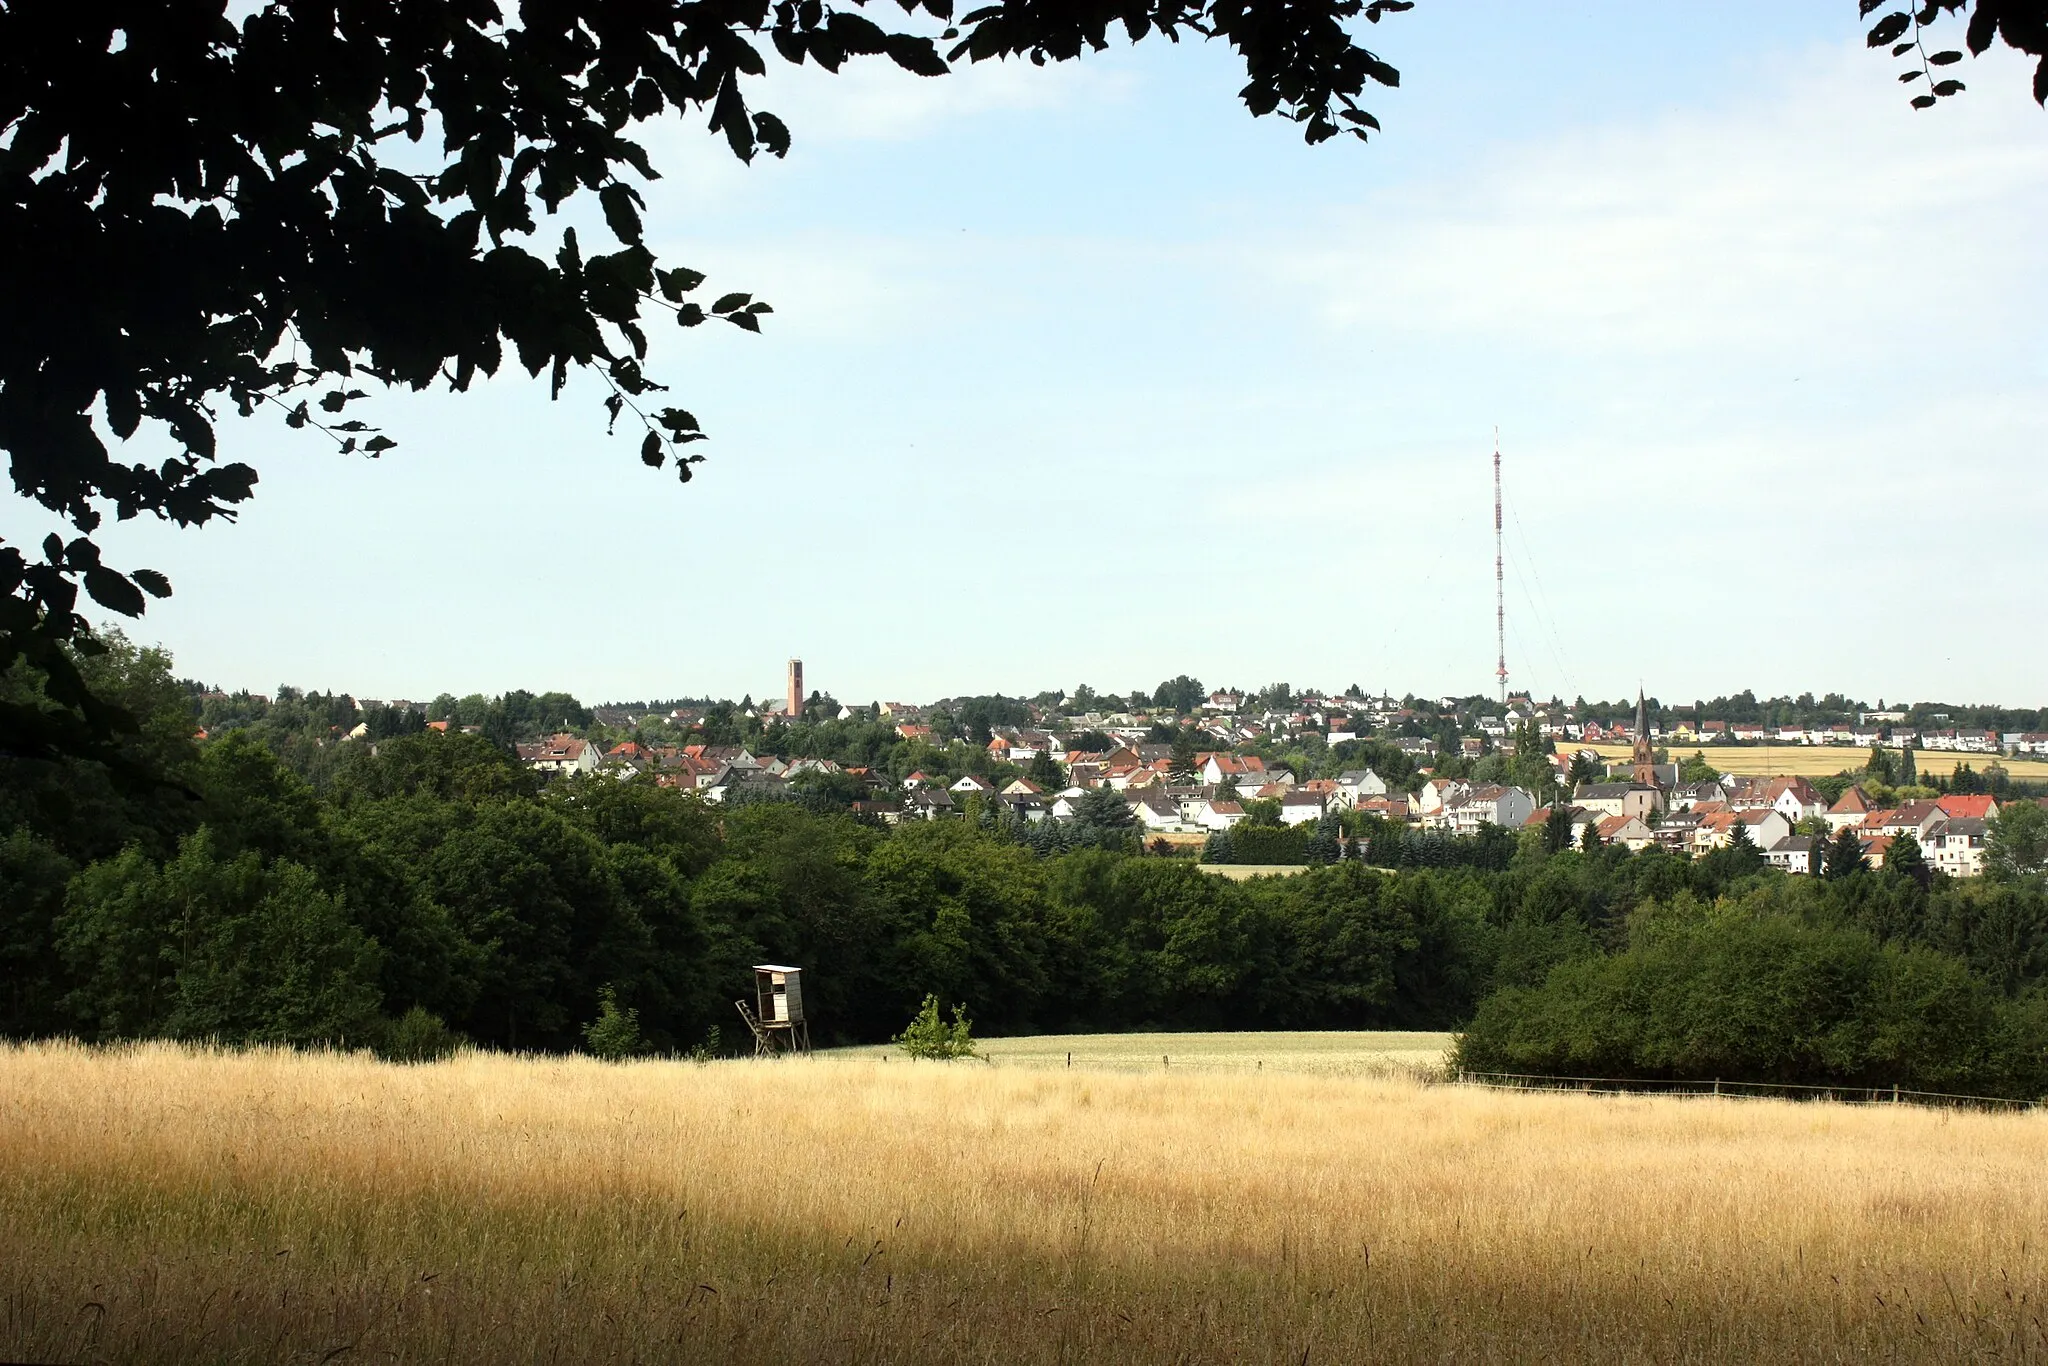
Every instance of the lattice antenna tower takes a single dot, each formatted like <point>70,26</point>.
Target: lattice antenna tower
<point>1500,592</point>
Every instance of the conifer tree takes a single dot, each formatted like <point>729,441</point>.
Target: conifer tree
<point>1845,855</point>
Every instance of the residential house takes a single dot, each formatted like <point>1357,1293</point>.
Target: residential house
<point>1067,805</point>
<point>1218,814</point>
<point>1957,848</point>
<point>1298,807</point>
<point>1155,810</point>
<point>1795,854</point>
<point>1686,796</point>
<point>556,754</point>
<point>1853,807</point>
<point>973,783</point>
<point>1629,832</point>
<point>1394,809</point>
<point>1766,826</point>
<point>1619,799</point>
<point>1875,849</point>
<point>1918,819</point>
<point>1676,831</point>
<point>1795,797</point>
<point>1436,795</point>
<point>928,803</point>
<point>1247,770</point>
<point>1489,805</point>
<point>1354,783</point>
<point>1956,806</point>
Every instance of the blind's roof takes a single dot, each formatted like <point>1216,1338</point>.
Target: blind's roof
<point>774,967</point>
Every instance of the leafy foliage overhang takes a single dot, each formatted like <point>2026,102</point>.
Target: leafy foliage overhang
<point>196,210</point>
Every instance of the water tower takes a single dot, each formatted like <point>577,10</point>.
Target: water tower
<point>777,1014</point>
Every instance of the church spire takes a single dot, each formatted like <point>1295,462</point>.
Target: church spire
<point>1643,759</point>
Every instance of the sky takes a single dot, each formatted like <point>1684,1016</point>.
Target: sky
<point>1083,374</point>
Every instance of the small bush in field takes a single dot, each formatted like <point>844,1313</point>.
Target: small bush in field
<point>417,1036</point>
<point>928,1036</point>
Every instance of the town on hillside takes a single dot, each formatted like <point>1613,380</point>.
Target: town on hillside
<point>1193,770</point>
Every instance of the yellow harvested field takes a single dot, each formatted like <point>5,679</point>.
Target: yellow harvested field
<point>164,1205</point>
<point>1816,760</point>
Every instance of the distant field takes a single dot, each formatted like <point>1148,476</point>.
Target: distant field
<point>168,1205</point>
<point>1325,1053</point>
<point>1815,760</point>
<point>1240,872</point>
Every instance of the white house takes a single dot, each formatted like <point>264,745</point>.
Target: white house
<point>1957,848</point>
<point>1795,854</point>
<point>1300,808</point>
<point>1355,784</point>
<point>1155,810</point>
<point>1490,805</point>
<point>560,754</point>
<point>1436,795</point>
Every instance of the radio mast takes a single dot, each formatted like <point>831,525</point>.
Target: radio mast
<point>1500,597</point>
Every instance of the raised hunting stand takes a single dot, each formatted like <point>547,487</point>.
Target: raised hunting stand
<point>777,1015</point>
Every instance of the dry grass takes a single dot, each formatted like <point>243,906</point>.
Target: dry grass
<point>159,1205</point>
<point>1814,761</point>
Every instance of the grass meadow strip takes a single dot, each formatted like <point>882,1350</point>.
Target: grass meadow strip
<point>166,1204</point>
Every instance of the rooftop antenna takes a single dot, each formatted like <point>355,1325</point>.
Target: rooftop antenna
<point>1500,597</point>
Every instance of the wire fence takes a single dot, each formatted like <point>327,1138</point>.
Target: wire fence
<point>1735,1090</point>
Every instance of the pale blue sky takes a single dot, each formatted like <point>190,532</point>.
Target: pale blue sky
<point>1085,375</point>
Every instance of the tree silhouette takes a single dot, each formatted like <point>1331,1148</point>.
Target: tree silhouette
<point>199,211</point>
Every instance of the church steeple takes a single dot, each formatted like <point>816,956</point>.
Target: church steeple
<point>1643,760</point>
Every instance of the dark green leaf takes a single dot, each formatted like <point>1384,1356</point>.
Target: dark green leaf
<point>619,213</point>
<point>124,410</point>
<point>728,302</point>
<point>1888,29</point>
<point>1945,58</point>
<point>678,282</point>
<point>650,450</point>
<point>152,583</point>
<point>113,592</point>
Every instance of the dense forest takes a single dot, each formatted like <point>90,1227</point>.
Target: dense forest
<point>243,896</point>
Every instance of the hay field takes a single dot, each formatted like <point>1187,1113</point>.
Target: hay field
<point>1813,761</point>
<point>1344,1053</point>
<point>158,1205</point>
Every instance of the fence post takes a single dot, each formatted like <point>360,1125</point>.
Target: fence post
<point>1895,1093</point>
<point>1717,1087</point>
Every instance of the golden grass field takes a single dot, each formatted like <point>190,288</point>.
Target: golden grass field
<point>1812,761</point>
<point>163,1205</point>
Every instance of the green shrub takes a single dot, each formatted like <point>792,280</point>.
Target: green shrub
<point>1269,843</point>
<point>615,1033</point>
<point>928,1036</point>
<point>417,1036</point>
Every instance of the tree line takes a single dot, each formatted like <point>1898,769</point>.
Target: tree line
<point>431,877</point>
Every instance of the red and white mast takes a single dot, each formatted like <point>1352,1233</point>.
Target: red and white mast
<point>1500,597</point>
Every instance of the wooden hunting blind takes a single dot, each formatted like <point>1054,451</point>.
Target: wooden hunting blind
<point>777,1015</point>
